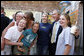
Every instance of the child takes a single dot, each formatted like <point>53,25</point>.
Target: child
<point>12,36</point>
<point>27,37</point>
<point>65,44</point>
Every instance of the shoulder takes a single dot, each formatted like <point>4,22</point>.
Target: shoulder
<point>36,34</point>
<point>53,23</point>
<point>7,17</point>
<point>49,24</point>
<point>12,23</point>
<point>27,30</point>
<point>13,28</point>
<point>2,15</point>
<point>40,23</point>
<point>67,30</point>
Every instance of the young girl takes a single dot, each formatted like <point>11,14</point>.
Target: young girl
<point>27,37</point>
<point>65,44</point>
<point>12,36</point>
<point>30,19</point>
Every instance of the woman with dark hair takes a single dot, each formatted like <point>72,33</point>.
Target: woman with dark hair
<point>30,19</point>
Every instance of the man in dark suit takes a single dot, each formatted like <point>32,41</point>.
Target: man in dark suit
<point>4,23</point>
<point>56,30</point>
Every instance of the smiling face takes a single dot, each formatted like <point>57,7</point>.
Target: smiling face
<point>55,15</point>
<point>44,18</point>
<point>22,23</point>
<point>19,16</point>
<point>35,28</point>
<point>63,21</point>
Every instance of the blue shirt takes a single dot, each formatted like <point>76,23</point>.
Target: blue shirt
<point>43,34</point>
<point>29,36</point>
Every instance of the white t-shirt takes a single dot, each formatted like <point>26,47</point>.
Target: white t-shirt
<point>13,34</point>
<point>65,38</point>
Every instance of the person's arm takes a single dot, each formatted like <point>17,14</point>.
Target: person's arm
<point>3,34</point>
<point>68,42</point>
<point>67,49</point>
<point>2,44</point>
<point>20,38</point>
<point>8,42</point>
<point>20,49</point>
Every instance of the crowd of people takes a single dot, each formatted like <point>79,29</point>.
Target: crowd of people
<point>23,36</point>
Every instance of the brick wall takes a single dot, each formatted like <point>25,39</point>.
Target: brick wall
<point>31,5</point>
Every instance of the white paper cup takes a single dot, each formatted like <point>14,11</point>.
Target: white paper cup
<point>73,29</point>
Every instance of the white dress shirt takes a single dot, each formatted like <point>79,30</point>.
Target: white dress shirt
<point>57,27</point>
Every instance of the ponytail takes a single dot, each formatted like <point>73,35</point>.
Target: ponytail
<point>69,24</point>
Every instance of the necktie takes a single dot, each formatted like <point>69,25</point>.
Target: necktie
<point>54,33</point>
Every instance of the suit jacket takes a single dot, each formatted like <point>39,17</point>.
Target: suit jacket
<point>59,31</point>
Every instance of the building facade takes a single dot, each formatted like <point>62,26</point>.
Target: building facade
<point>76,15</point>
